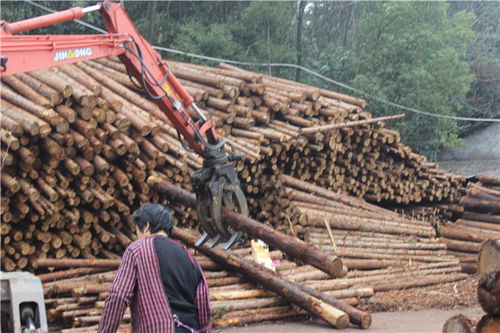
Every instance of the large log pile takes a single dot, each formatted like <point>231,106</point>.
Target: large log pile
<point>299,129</point>
<point>478,221</point>
<point>77,143</point>
<point>76,298</point>
<point>368,238</point>
<point>76,156</point>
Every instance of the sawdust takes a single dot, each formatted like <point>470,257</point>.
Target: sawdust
<point>448,296</point>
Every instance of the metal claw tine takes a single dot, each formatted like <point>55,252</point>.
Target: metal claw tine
<point>215,241</point>
<point>234,238</point>
<point>202,240</point>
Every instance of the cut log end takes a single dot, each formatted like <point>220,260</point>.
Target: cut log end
<point>458,324</point>
<point>489,256</point>
<point>332,315</point>
<point>366,321</point>
<point>337,268</point>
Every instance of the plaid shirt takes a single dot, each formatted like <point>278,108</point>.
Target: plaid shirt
<point>138,284</point>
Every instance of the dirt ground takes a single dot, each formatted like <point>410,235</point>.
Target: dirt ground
<point>416,310</point>
<point>450,296</point>
<point>426,321</point>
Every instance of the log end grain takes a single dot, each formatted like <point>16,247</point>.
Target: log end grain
<point>489,256</point>
<point>337,268</point>
<point>458,324</point>
<point>366,321</point>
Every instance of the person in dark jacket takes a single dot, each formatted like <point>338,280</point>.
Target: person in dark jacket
<point>164,286</point>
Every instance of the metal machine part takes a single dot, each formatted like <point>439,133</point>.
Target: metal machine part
<point>217,183</point>
<point>217,186</point>
<point>22,304</point>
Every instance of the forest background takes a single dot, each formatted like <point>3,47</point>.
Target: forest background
<point>440,57</point>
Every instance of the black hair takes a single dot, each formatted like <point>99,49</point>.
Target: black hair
<point>158,217</point>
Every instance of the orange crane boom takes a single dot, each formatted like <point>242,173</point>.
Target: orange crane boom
<point>216,184</point>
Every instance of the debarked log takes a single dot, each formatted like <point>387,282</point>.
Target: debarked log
<point>269,280</point>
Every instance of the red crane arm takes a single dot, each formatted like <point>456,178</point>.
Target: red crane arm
<point>216,184</point>
<point>30,52</point>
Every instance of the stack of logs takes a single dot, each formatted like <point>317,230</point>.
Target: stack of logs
<point>479,220</point>
<point>78,142</point>
<point>367,237</point>
<point>75,156</point>
<point>488,294</point>
<point>77,300</point>
<point>365,160</point>
<point>278,123</point>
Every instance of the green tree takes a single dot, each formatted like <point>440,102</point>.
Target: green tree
<point>266,31</point>
<point>215,40</point>
<point>483,54</point>
<point>411,53</point>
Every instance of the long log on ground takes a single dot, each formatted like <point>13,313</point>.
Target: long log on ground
<point>419,282</point>
<point>371,263</point>
<point>465,246</point>
<point>322,128</point>
<point>394,281</point>
<point>357,317</point>
<point>318,219</point>
<point>464,233</point>
<point>73,263</point>
<point>235,305</point>
<point>481,205</point>
<point>378,244</point>
<point>266,278</point>
<point>481,217</point>
<point>288,244</point>
<point>432,267</point>
<point>244,317</point>
<point>70,273</point>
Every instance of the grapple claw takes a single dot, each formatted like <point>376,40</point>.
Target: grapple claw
<point>217,186</point>
<point>202,240</point>
<point>234,238</point>
<point>215,241</point>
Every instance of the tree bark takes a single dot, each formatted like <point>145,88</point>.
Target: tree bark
<point>488,292</point>
<point>73,263</point>
<point>288,244</point>
<point>488,324</point>
<point>266,278</point>
<point>481,205</point>
<point>302,5</point>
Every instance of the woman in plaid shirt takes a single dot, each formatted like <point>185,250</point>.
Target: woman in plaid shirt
<point>164,286</point>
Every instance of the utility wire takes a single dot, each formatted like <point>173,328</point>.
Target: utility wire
<point>343,85</point>
<point>287,65</point>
